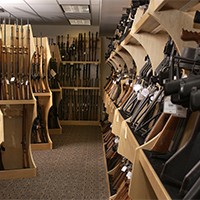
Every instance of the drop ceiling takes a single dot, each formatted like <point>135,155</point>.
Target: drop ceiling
<point>104,13</point>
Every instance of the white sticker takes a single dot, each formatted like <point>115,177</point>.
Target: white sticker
<point>108,102</point>
<point>12,79</point>
<point>127,82</point>
<point>117,119</point>
<point>111,126</point>
<point>124,168</point>
<point>26,82</point>
<point>53,73</point>
<point>175,110</point>
<point>145,92</point>
<point>125,132</point>
<point>140,97</point>
<point>137,87</point>
<point>116,140</point>
<point>7,81</point>
<point>128,175</point>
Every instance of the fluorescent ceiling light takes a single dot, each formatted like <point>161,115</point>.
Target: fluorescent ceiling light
<point>79,21</point>
<point>75,8</point>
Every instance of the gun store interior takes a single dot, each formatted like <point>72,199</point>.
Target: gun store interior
<point>99,99</point>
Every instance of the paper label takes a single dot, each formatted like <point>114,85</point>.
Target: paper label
<point>128,175</point>
<point>111,126</point>
<point>7,81</point>
<point>112,108</point>
<point>140,96</point>
<point>145,92</point>
<point>116,140</point>
<point>26,82</point>
<point>175,110</point>
<point>137,87</point>
<point>53,73</point>
<point>123,169</point>
<point>12,79</point>
<point>127,82</point>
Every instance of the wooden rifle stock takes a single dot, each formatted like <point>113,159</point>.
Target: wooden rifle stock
<point>16,57</point>
<point>190,36</point>
<point>162,143</point>
<point>42,65</point>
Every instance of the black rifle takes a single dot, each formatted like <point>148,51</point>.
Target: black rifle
<point>89,57</point>
<point>67,48</point>
<point>95,49</point>
<point>62,50</point>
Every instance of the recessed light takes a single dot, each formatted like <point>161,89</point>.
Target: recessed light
<point>79,21</point>
<point>75,8</point>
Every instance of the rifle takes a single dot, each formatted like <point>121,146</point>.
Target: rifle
<point>21,64</point>
<point>38,66</point>
<point>25,155</point>
<point>34,75</point>
<point>5,81</point>
<point>62,49</point>
<point>12,80</point>
<point>89,59</point>
<point>95,49</point>
<point>42,65</point>
<point>67,48</point>
<point>16,63</point>
<point>1,77</point>
<point>84,47</point>
<point>92,58</point>
<point>28,62</point>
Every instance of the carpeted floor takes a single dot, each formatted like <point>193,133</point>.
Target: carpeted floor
<point>73,169</point>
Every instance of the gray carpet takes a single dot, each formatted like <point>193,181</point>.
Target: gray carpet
<point>73,169</point>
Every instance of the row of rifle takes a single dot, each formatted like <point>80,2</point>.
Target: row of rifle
<point>125,24</point>
<point>79,104</point>
<point>38,69</point>
<point>14,63</point>
<point>79,75</point>
<point>119,178</point>
<point>148,100</point>
<point>82,49</point>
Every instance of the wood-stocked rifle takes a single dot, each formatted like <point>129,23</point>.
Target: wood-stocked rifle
<point>37,66</point>
<point>12,79</point>
<point>42,66</point>
<point>21,62</point>
<point>84,47</point>
<point>92,41</point>
<point>67,48</point>
<point>16,64</point>
<point>5,82</point>
<point>1,65</point>
<point>89,53</point>
<point>95,48</point>
<point>27,61</point>
<point>62,50</point>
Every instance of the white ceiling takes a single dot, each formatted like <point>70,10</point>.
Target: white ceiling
<point>104,13</point>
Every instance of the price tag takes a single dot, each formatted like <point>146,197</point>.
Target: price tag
<point>137,87</point>
<point>127,82</point>
<point>26,82</point>
<point>169,107</point>
<point>128,175</point>
<point>117,118</point>
<point>108,102</point>
<point>53,73</point>
<point>116,140</point>
<point>7,81</point>
<point>12,79</point>
<point>125,132</point>
<point>123,169</point>
<point>175,110</point>
<point>111,126</point>
<point>145,92</point>
<point>140,96</point>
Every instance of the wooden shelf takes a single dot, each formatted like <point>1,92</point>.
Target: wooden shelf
<point>41,146</point>
<point>17,102</point>
<point>56,90</point>
<point>44,94</point>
